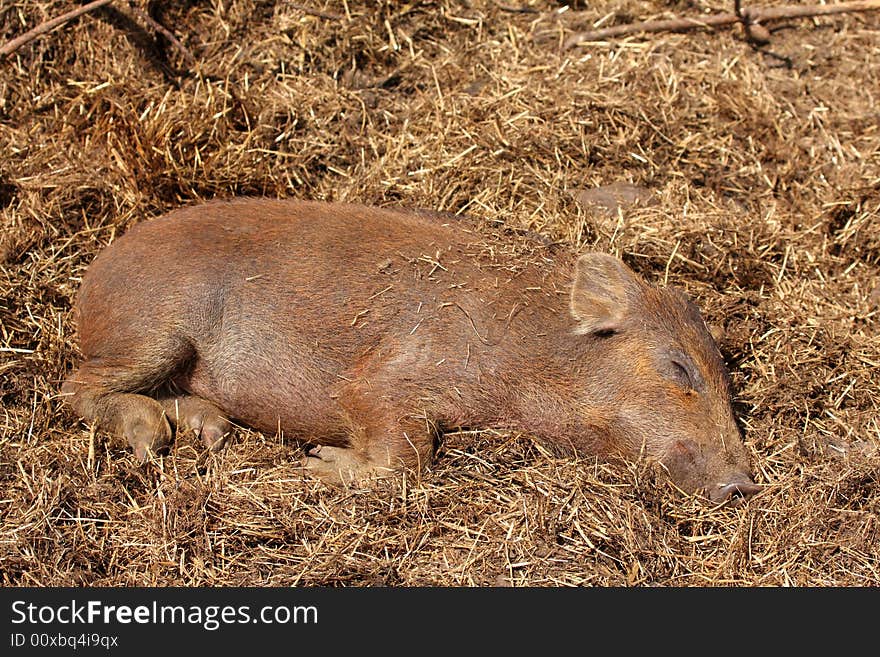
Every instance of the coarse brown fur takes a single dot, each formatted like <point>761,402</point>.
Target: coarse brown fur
<point>367,331</point>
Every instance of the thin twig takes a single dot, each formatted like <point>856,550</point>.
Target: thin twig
<point>747,16</point>
<point>161,29</point>
<point>14,44</point>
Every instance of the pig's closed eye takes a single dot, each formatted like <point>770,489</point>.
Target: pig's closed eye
<point>680,369</point>
<point>679,373</point>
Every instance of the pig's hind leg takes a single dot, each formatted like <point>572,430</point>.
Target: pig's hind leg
<point>112,386</point>
<point>98,392</point>
<point>201,417</point>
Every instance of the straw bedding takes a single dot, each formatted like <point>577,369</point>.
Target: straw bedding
<point>763,167</point>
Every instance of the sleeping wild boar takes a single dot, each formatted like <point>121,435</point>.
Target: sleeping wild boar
<point>366,332</point>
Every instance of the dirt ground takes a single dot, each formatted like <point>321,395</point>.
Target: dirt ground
<point>763,165</point>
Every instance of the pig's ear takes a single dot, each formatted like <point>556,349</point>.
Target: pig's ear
<point>601,292</point>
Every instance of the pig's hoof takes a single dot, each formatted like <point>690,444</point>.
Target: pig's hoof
<point>148,438</point>
<point>201,417</point>
<point>341,466</point>
<point>329,465</point>
<point>212,428</point>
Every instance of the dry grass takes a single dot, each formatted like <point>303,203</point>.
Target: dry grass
<point>767,172</point>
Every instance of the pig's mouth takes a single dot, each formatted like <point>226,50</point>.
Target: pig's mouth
<point>734,491</point>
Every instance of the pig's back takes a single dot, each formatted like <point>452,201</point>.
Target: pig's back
<point>192,263</point>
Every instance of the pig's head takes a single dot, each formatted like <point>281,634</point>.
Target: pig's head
<point>658,377</point>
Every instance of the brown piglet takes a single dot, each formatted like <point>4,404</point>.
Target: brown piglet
<point>366,332</point>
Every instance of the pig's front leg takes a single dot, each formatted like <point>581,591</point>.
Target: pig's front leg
<point>384,442</point>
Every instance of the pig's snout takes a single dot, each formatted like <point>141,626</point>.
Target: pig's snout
<point>706,469</point>
<point>735,491</point>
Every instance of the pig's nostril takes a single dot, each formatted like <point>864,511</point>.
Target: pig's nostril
<point>735,492</point>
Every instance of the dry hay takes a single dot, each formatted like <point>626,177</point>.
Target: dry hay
<point>766,171</point>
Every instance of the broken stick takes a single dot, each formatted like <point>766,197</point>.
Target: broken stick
<point>14,44</point>
<point>748,16</point>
